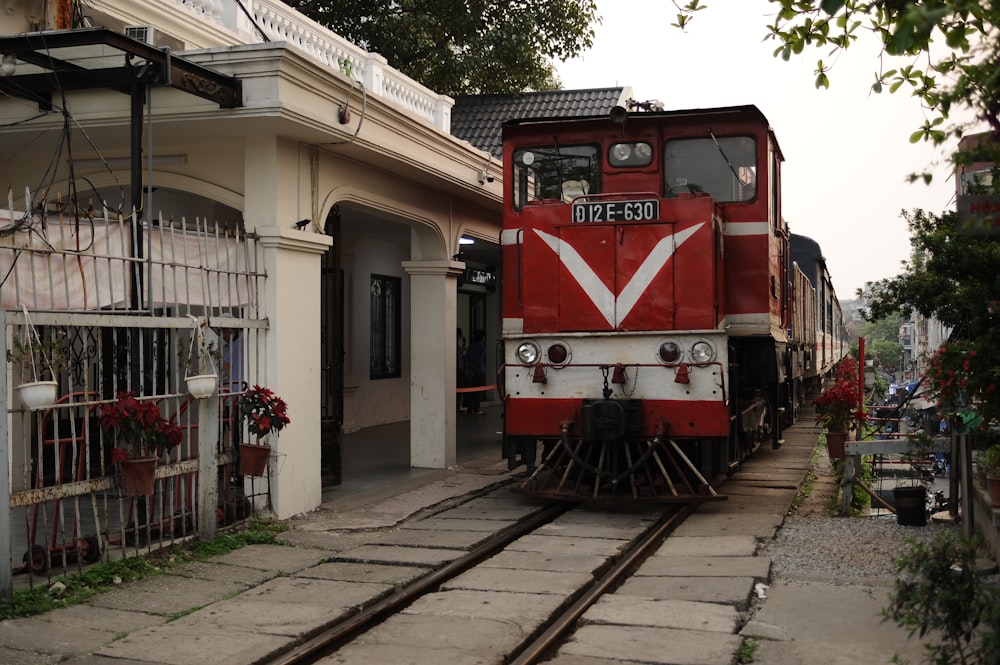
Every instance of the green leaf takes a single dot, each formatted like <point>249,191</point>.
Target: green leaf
<point>916,136</point>
<point>831,6</point>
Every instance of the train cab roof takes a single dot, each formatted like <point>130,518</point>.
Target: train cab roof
<point>620,115</point>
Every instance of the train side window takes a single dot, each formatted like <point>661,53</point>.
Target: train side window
<point>726,168</point>
<point>555,174</point>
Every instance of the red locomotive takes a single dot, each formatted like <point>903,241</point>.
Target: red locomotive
<point>650,342</point>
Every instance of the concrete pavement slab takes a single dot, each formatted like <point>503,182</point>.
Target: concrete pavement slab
<point>10,656</point>
<point>733,591</point>
<point>101,618</point>
<point>305,591</point>
<point>166,594</point>
<point>220,572</point>
<point>583,660</point>
<point>473,635</point>
<point>42,635</point>
<point>331,541</point>
<point>388,554</point>
<point>456,540</point>
<point>660,646</point>
<point>702,566</point>
<point>524,610</point>
<point>290,620</point>
<point>685,614</point>
<point>347,571</point>
<point>836,624</point>
<point>370,654</point>
<point>272,558</point>
<point>196,646</point>
<point>522,581</point>
<point>760,525</point>
<point>567,545</point>
<point>444,524</point>
<point>709,546</point>
<point>579,563</point>
<point>94,659</point>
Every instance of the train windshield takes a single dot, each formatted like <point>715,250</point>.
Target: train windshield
<point>555,173</point>
<point>726,168</point>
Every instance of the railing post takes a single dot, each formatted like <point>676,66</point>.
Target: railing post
<point>208,460</point>
<point>6,573</point>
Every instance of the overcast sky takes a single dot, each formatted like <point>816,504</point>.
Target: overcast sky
<point>847,152</point>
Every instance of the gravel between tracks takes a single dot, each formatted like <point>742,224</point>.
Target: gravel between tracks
<point>814,543</point>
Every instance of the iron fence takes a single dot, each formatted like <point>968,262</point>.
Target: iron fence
<point>104,306</point>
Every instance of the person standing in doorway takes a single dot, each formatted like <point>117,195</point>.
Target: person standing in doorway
<point>475,370</point>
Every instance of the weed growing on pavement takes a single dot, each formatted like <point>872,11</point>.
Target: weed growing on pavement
<point>746,652</point>
<point>939,593</point>
<point>103,577</point>
<point>78,588</point>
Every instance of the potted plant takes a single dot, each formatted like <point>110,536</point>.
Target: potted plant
<point>201,364</point>
<point>909,496</point>
<point>989,460</point>
<point>140,432</point>
<point>38,359</point>
<point>264,413</point>
<point>838,407</point>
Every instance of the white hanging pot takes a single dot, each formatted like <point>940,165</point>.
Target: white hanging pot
<point>202,385</point>
<point>39,394</point>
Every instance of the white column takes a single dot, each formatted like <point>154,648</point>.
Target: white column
<point>433,320</point>
<point>290,362</point>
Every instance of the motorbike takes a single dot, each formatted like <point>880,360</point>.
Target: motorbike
<point>937,502</point>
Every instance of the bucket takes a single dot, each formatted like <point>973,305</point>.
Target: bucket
<point>910,505</point>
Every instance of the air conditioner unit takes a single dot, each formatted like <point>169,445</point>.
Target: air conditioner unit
<point>142,33</point>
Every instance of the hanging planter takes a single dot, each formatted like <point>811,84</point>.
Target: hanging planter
<point>201,363</point>
<point>44,356</point>
<point>39,394</point>
<point>201,385</point>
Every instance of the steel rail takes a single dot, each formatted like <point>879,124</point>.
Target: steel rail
<point>326,642</point>
<point>560,625</point>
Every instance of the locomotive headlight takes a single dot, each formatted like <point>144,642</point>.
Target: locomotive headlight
<point>621,151</point>
<point>630,155</point>
<point>558,354</point>
<point>702,352</point>
<point>527,353</point>
<point>670,352</point>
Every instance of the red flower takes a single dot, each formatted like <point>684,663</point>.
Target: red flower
<point>138,426</point>
<point>840,404</point>
<point>263,411</point>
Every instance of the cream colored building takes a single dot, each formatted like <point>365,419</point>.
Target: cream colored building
<point>343,167</point>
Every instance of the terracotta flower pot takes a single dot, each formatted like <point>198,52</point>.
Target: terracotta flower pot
<point>139,476</point>
<point>993,486</point>
<point>253,459</point>
<point>835,444</point>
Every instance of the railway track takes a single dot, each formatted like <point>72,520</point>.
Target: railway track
<point>611,556</point>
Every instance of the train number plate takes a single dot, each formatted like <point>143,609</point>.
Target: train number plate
<point>616,211</point>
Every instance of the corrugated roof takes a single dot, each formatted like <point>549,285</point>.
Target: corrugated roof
<point>478,118</point>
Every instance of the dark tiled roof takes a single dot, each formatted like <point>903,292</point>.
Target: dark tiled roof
<point>478,118</point>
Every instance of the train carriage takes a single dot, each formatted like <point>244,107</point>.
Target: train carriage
<point>646,301</point>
